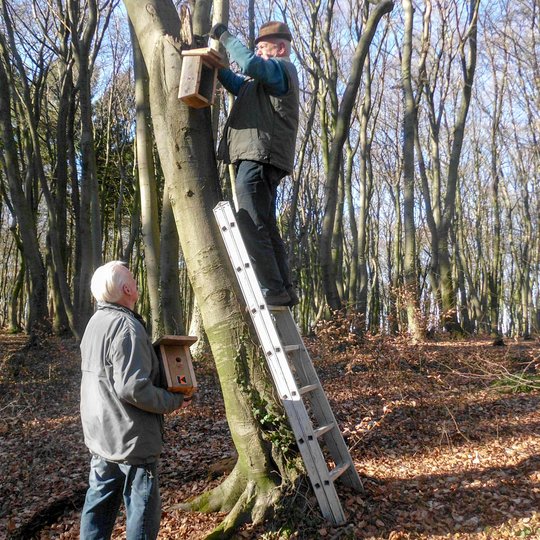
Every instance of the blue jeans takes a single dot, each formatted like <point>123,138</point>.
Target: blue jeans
<point>256,188</point>
<point>109,482</point>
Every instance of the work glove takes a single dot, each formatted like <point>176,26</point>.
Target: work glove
<point>217,30</point>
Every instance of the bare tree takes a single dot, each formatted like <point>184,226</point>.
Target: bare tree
<point>86,31</point>
<point>409,229</point>
<point>185,146</point>
<point>335,157</point>
<point>440,208</point>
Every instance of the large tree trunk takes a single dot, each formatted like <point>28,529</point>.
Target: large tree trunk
<point>186,150</point>
<point>82,36</point>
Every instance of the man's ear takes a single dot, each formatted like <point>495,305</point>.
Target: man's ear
<point>282,49</point>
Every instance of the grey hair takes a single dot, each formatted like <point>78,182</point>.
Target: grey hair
<point>278,41</point>
<point>107,282</point>
<point>288,46</point>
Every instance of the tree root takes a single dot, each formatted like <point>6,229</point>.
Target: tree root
<point>253,506</point>
<point>245,500</point>
<point>220,499</point>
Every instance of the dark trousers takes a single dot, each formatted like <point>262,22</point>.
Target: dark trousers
<point>256,188</point>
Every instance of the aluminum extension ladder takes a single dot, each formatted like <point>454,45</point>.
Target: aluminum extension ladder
<point>314,425</point>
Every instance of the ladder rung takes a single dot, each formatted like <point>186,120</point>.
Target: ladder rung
<point>336,472</point>
<point>308,388</point>
<point>273,308</point>
<point>319,432</point>
<point>291,348</point>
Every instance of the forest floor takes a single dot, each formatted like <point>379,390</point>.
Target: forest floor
<point>445,437</point>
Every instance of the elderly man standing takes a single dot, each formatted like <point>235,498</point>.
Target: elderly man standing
<point>122,403</point>
<point>259,139</point>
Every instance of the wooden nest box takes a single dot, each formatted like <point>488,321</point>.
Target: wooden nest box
<point>199,76</point>
<point>176,359</point>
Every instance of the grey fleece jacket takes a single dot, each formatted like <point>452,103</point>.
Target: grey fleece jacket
<point>122,402</point>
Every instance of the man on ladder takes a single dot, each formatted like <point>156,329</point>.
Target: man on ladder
<point>259,139</point>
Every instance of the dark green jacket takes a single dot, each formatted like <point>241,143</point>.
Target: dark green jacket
<point>262,126</point>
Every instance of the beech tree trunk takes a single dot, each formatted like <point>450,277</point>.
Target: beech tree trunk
<point>169,279</point>
<point>83,26</point>
<point>186,150</point>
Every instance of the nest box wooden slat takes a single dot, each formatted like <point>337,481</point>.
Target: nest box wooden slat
<point>176,359</point>
<point>199,76</point>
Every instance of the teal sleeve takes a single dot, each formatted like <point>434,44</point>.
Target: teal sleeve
<point>269,72</point>
<point>230,80</point>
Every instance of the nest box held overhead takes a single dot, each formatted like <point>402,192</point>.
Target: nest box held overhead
<point>199,76</point>
<point>176,359</point>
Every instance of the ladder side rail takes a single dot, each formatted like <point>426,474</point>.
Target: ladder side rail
<point>301,425</point>
<point>320,405</point>
<point>285,383</point>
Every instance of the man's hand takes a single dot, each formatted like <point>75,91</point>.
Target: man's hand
<point>217,30</point>
<point>188,400</point>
